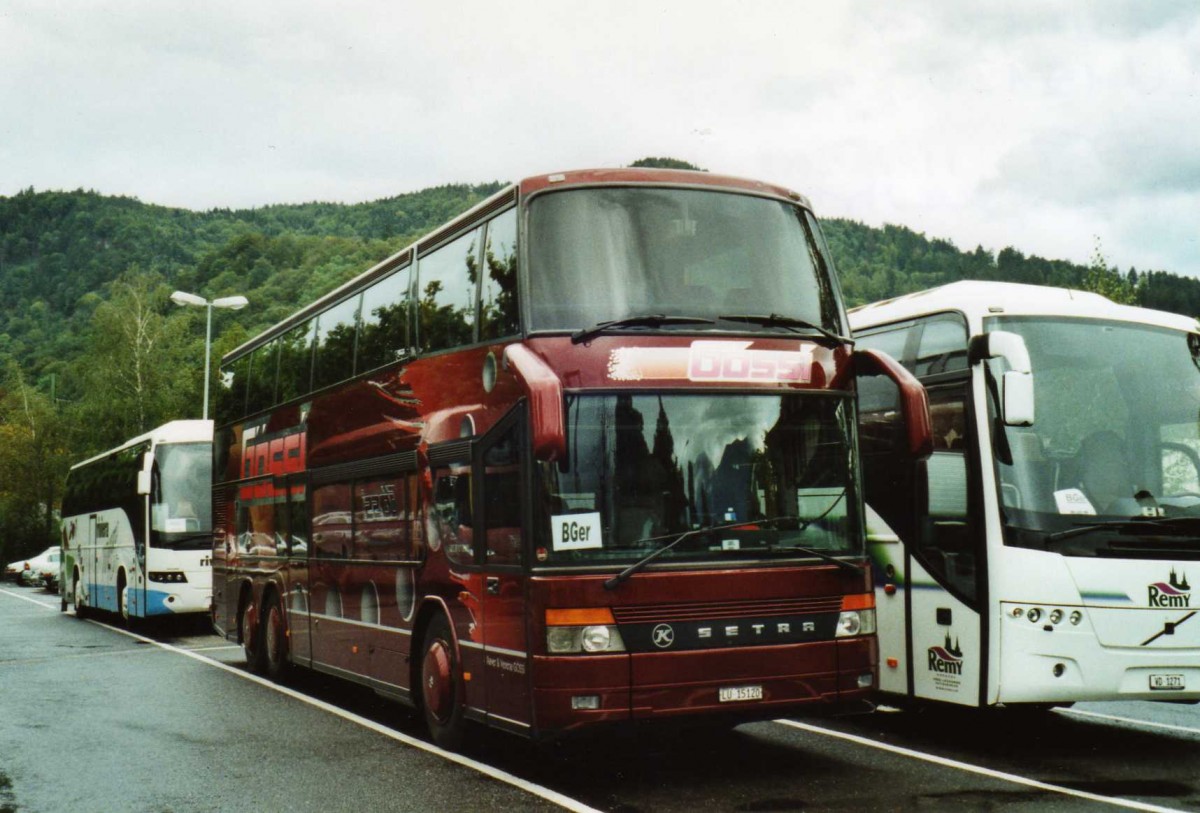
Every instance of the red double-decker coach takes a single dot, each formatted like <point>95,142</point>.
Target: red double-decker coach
<point>585,454</point>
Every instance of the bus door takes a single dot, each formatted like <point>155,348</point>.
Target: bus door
<point>946,566</point>
<point>89,562</point>
<point>500,549</point>
<point>925,537</point>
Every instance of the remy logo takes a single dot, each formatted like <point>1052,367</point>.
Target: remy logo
<point>1175,592</point>
<point>946,659</point>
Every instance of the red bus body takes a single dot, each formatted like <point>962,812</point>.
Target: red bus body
<point>382,529</point>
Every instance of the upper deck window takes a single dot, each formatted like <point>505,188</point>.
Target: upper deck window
<point>600,254</point>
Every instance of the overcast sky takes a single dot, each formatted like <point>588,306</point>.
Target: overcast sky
<point>1041,125</point>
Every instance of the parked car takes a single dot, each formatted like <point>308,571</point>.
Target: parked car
<point>12,571</point>
<point>49,576</point>
<point>31,574</point>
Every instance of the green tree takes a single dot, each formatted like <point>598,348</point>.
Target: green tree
<point>1107,281</point>
<point>665,163</point>
<point>141,367</point>
<point>34,458</point>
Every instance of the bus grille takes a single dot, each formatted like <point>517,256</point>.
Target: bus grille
<point>703,611</point>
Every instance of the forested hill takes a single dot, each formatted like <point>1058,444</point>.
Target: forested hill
<point>60,250</point>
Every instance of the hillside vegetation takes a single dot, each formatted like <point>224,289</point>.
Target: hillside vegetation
<point>92,352</point>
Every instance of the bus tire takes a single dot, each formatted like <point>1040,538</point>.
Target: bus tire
<point>122,610</point>
<point>252,637</point>
<point>441,689</point>
<point>81,610</point>
<point>274,639</point>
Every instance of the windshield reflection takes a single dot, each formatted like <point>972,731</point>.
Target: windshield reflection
<point>773,471</point>
<point>182,495</point>
<point>1117,435</point>
<point>605,254</point>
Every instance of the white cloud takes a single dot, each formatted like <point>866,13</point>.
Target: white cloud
<point>1027,124</point>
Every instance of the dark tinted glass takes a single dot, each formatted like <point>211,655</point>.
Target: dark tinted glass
<point>446,293</point>
<point>295,361</point>
<point>498,300</point>
<point>334,354</point>
<point>383,334</point>
<point>264,364</point>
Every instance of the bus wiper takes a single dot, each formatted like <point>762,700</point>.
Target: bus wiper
<point>801,526</point>
<point>1173,526</point>
<point>820,554</point>
<point>646,320</point>
<point>828,337</point>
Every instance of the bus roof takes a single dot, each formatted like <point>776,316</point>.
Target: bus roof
<point>976,299</point>
<point>190,431</point>
<point>524,188</point>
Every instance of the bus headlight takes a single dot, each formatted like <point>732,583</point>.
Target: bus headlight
<point>173,576</point>
<point>590,629</point>
<point>592,638</point>
<point>855,622</point>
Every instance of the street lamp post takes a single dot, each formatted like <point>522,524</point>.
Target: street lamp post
<point>183,298</point>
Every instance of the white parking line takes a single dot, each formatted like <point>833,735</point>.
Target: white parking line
<point>41,604</point>
<point>977,769</point>
<point>541,792</point>
<point>1133,721</point>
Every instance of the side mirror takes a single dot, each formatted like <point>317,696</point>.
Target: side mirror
<point>547,421</point>
<point>143,482</point>
<point>914,402</point>
<point>1016,396</point>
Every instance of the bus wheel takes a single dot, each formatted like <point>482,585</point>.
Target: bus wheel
<point>81,610</point>
<point>252,637</point>
<point>274,639</point>
<point>441,686</point>
<point>121,609</point>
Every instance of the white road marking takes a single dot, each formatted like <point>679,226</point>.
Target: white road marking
<point>41,604</point>
<point>977,769</point>
<point>1133,721</point>
<point>507,778</point>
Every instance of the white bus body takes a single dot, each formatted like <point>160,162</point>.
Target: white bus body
<point>137,526</point>
<point>1045,552</point>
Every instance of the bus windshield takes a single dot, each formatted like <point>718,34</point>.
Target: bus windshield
<point>182,497</point>
<point>768,474</point>
<point>619,253</point>
<point>1116,437</point>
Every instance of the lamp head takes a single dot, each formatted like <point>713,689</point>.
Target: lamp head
<point>234,303</point>
<point>184,298</point>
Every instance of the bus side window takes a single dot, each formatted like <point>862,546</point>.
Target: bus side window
<point>446,282</point>
<point>452,514</point>
<point>264,364</point>
<point>331,521</point>
<point>383,329</point>
<point>295,361</point>
<point>333,359</point>
<point>502,499</point>
<point>498,296</point>
<point>297,520</point>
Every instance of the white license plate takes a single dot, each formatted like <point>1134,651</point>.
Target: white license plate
<point>732,694</point>
<point>1167,682</point>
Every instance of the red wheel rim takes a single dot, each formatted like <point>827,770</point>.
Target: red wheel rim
<point>436,681</point>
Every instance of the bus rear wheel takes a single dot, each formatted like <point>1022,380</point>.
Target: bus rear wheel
<point>274,639</point>
<point>252,637</point>
<point>441,686</point>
